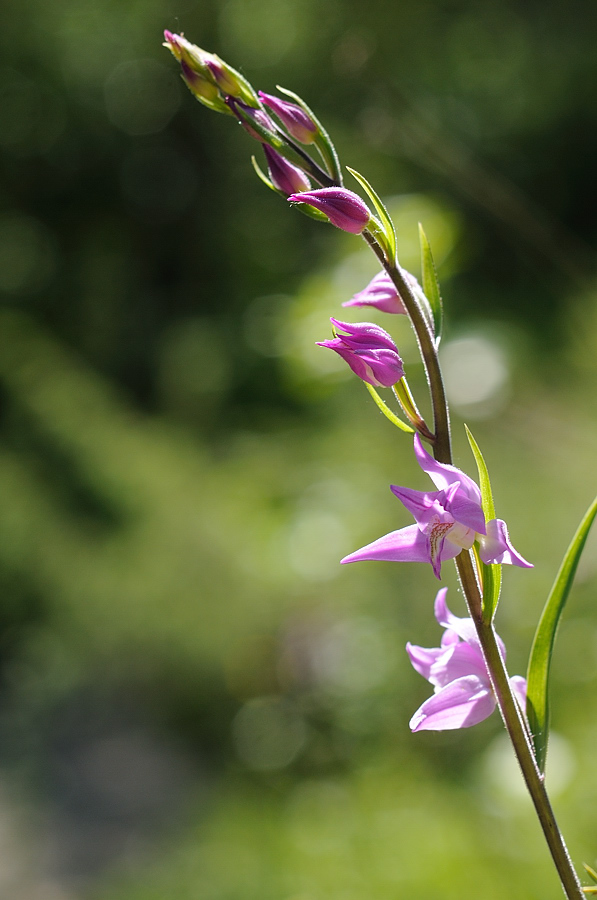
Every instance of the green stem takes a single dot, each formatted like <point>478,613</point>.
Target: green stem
<point>510,711</point>
<point>442,448</point>
<point>517,730</point>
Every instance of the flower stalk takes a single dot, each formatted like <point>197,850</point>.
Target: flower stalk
<point>517,730</point>
<point>510,711</point>
<point>451,522</point>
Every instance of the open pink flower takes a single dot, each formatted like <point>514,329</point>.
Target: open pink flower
<point>456,669</point>
<point>448,521</point>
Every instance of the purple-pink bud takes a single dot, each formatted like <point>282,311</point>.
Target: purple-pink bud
<point>343,208</point>
<point>369,351</point>
<point>286,177</point>
<point>247,116</point>
<point>381,293</point>
<point>299,125</point>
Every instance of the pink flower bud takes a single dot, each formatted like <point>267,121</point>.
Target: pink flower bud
<point>343,208</point>
<point>369,351</point>
<point>299,125</point>
<point>256,122</point>
<point>381,293</point>
<point>285,177</point>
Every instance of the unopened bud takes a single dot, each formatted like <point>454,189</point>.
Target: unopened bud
<point>208,77</point>
<point>343,208</point>
<point>286,178</point>
<point>299,125</point>
<point>256,122</point>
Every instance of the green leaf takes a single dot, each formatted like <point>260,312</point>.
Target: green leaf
<point>543,644</point>
<point>431,284</point>
<point>490,573</point>
<point>590,872</point>
<point>387,411</point>
<point>323,141</point>
<point>386,222</point>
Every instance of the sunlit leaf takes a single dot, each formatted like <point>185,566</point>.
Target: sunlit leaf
<point>491,573</point>
<point>387,411</point>
<point>386,222</point>
<point>541,652</point>
<point>431,284</point>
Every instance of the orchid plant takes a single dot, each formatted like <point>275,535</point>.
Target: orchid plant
<point>457,520</point>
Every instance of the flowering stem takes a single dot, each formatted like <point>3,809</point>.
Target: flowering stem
<point>309,165</point>
<point>510,711</point>
<point>442,446</point>
<point>517,730</point>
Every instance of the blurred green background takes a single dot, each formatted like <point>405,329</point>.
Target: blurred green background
<point>196,700</point>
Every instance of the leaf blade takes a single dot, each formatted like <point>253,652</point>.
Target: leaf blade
<point>543,644</point>
<point>491,573</point>
<point>431,284</point>
<point>386,221</point>
<point>385,409</point>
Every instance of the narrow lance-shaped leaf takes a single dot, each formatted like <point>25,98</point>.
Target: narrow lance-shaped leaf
<point>491,573</point>
<point>385,409</point>
<point>543,644</point>
<point>431,284</point>
<point>386,222</point>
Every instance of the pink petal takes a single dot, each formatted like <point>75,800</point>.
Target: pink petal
<point>464,628</point>
<point>467,512</point>
<point>519,688</point>
<point>443,475</point>
<point>422,658</point>
<point>495,546</point>
<point>457,661</point>
<point>405,545</point>
<point>460,704</point>
<point>423,505</point>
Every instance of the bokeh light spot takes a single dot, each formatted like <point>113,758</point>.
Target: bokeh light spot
<point>259,33</point>
<point>268,733</point>
<point>27,254</point>
<point>476,374</point>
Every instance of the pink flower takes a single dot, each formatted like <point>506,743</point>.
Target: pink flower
<point>369,351</point>
<point>448,521</point>
<point>463,693</point>
<point>343,208</point>
<point>381,293</point>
